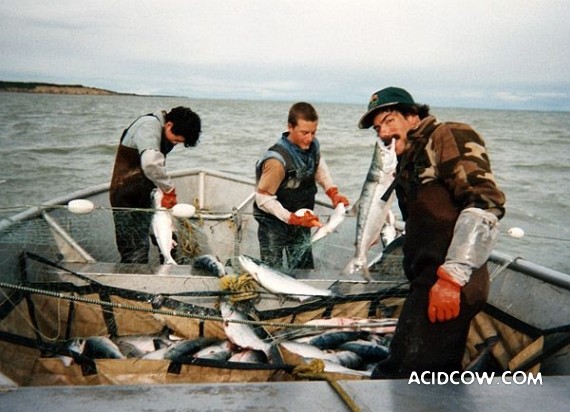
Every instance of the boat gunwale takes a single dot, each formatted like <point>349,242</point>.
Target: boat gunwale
<point>517,264</point>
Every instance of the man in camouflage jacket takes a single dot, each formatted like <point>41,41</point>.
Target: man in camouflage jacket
<point>451,205</point>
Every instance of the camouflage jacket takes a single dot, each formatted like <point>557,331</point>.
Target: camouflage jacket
<point>454,155</point>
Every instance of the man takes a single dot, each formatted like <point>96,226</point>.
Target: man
<point>451,205</point>
<point>139,168</point>
<point>286,182</point>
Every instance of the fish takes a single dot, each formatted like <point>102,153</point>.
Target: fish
<point>335,219</point>
<point>369,351</point>
<point>389,232</point>
<point>101,347</point>
<point>373,208</point>
<point>484,361</point>
<point>280,283</point>
<point>136,346</point>
<point>333,367</point>
<point>74,347</point>
<point>210,264</point>
<point>242,334</point>
<point>308,351</point>
<point>163,228</point>
<point>349,359</point>
<point>248,356</point>
<point>332,340</point>
<point>183,351</point>
<point>217,351</point>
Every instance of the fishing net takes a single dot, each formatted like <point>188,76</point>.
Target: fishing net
<point>63,280</point>
<point>63,284</point>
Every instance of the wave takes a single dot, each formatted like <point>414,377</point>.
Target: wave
<point>60,150</point>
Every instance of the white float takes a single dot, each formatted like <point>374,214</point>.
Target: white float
<point>80,206</point>
<point>516,232</point>
<point>183,210</point>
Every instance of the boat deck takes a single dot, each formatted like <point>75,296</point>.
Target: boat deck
<point>390,395</point>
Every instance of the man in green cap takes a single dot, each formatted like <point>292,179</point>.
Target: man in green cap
<point>451,204</point>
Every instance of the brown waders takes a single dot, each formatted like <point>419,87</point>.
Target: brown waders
<point>419,345</point>
<point>131,189</point>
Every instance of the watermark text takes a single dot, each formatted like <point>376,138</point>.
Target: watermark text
<point>469,378</point>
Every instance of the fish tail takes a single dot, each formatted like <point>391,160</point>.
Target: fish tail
<point>274,355</point>
<point>366,273</point>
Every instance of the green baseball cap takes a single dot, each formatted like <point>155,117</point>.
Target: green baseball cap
<point>389,96</point>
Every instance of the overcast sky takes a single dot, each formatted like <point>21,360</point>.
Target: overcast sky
<point>511,54</point>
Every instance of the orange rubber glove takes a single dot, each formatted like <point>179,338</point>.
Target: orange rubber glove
<point>169,199</point>
<point>444,298</point>
<point>335,197</point>
<point>307,220</point>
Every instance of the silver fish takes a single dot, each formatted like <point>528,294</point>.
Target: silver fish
<point>367,350</point>
<point>248,356</point>
<point>184,350</point>
<point>307,351</point>
<point>241,334</point>
<point>219,351</point>
<point>280,283</point>
<point>334,220</point>
<point>163,227</point>
<point>75,346</point>
<point>372,209</point>
<point>136,346</point>
<point>101,347</point>
<point>349,359</point>
<point>334,367</point>
<point>333,339</point>
<point>210,264</point>
<point>389,232</point>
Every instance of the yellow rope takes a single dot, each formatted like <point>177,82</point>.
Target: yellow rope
<point>187,239</point>
<point>315,370</point>
<point>241,287</point>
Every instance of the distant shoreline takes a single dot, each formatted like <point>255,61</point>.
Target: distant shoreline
<point>51,88</point>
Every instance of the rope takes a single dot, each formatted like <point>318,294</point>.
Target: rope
<point>242,287</point>
<point>315,370</point>
<point>187,239</point>
<point>500,268</point>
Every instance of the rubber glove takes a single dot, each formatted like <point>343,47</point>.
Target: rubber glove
<point>308,219</point>
<point>335,197</point>
<point>169,199</point>
<point>444,298</point>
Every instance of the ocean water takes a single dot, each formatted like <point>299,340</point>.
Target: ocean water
<point>51,145</point>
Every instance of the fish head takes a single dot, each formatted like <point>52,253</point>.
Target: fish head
<point>248,265</point>
<point>77,345</point>
<point>389,157</point>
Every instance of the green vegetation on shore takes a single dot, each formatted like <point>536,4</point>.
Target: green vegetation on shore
<point>33,87</point>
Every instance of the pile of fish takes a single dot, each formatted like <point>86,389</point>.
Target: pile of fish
<point>345,345</point>
<point>343,349</point>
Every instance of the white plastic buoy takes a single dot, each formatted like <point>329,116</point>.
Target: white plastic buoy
<point>80,206</point>
<point>183,210</point>
<point>516,232</point>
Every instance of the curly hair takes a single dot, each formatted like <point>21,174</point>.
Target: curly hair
<point>185,123</point>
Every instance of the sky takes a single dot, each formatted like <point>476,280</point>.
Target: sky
<point>492,54</point>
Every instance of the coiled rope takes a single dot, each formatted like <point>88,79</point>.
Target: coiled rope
<point>315,370</point>
<point>241,287</point>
